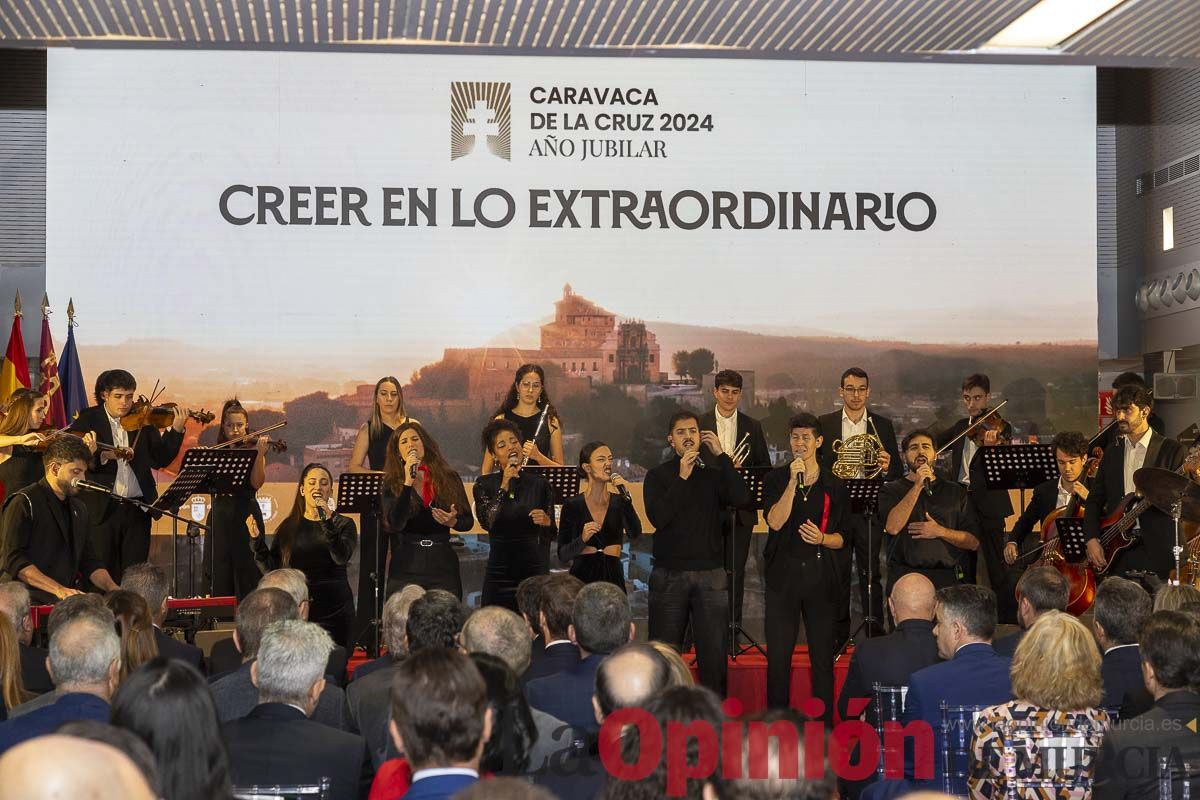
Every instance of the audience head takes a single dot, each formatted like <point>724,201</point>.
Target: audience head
<point>434,620</point>
<point>681,674</point>
<point>513,730</point>
<point>124,741</point>
<point>600,619</point>
<point>291,581</point>
<point>1173,597</point>
<point>913,597</point>
<point>784,746</point>
<point>529,600</point>
<point>965,613</point>
<point>15,604</point>
<point>12,689</point>
<point>501,788</point>
<point>168,704</point>
<point>556,606</point>
<point>136,627</point>
<point>1191,608</point>
<point>98,771</point>
<point>1170,647</point>
<point>498,632</point>
<point>395,618</point>
<point>150,583</point>
<point>290,667</point>
<point>79,605</point>
<point>440,713</point>
<point>259,609</point>
<point>85,656</point>
<point>1057,665</point>
<point>1039,590</point>
<point>628,678</point>
<point>1120,611</point>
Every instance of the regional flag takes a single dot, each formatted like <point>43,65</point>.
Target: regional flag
<point>14,374</point>
<point>50,386</point>
<point>74,393</point>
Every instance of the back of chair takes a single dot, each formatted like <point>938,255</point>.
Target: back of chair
<point>887,705</point>
<point>1177,779</point>
<point>306,791</point>
<point>1047,759</point>
<point>958,724</point>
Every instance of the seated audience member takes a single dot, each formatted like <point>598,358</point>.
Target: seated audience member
<point>15,604</point>
<point>630,677</point>
<point>395,620</point>
<point>1173,597</point>
<point>135,627</point>
<point>1040,589</point>
<point>681,673</point>
<point>168,704</point>
<point>73,607</point>
<point>1119,614</point>
<point>529,598</point>
<point>235,694</point>
<point>277,743</point>
<point>499,632</point>
<point>782,779</point>
<point>128,743</point>
<point>1128,765</point>
<point>150,583</point>
<point>434,620</point>
<point>556,601</point>
<point>224,656</point>
<point>97,771</point>
<point>503,789</point>
<point>1191,608</point>
<point>1056,680</point>
<point>600,623</point>
<point>513,732</point>
<point>12,689</point>
<point>440,721</point>
<point>673,705</point>
<point>890,660</point>
<point>85,663</point>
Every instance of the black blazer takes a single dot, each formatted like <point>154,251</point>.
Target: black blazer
<point>552,660</point>
<point>38,533</point>
<point>152,450</point>
<point>224,658</point>
<point>34,674</point>
<point>1124,687</point>
<point>276,744</point>
<point>170,647</point>
<point>888,660</point>
<point>1127,765</point>
<point>831,431</point>
<point>1153,551</point>
<point>759,455</point>
<point>1043,500</point>
<point>994,504</point>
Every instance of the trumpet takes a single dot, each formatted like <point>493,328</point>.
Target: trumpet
<point>858,455</point>
<point>742,450</point>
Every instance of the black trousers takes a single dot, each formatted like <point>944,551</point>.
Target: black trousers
<point>859,554</point>
<point>228,561</point>
<point>800,590</point>
<point>122,538</point>
<point>701,596</point>
<point>1000,577</point>
<point>742,536</point>
<point>433,567</point>
<point>370,581</point>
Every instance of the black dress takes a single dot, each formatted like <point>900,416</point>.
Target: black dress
<point>620,520</point>
<point>517,547</point>
<point>320,550</point>
<point>527,425</point>
<point>421,549</point>
<point>228,559</point>
<point>22,468</point>
<point>371,546</point>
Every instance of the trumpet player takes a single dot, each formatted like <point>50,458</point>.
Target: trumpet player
<point>863,541</point>
<point>742,438</point>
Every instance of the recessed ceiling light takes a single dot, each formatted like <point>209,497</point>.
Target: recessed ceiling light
<point>1051,22</point>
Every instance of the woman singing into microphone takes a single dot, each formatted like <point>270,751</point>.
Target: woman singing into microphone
<point>229,558</point>
<point>517,510</point>
<point>596,521</point>
<point>318,544</point>
<point>422,500</point>
<point>524,407</point>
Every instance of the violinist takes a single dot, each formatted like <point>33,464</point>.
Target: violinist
<point>228,559</point>
<point>991,506</point>
<point>123,462</point>
<point>20,443</point>
<point>1071,454</point>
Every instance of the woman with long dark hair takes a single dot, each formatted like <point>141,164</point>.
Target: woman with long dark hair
<point>168,705</point>
<point>12,689</point>
<point>229,560</point>
<point>513,729</point>
<point>136,627</point>
<point>319,544</point>
<point>523,406</point>
<point>423,499</point>
<point>20,458</point>
<point>595,522</point>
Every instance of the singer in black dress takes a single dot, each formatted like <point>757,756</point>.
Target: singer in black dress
<point>517,511</point>
<point>596,521</point>
<point>318,544</point>
<point>422,500</point>
<point>228,558</point>
<point>524,406</point>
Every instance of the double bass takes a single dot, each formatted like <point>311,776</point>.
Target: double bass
<point>1081,578</point>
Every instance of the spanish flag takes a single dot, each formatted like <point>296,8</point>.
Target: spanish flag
<point>15,372</point>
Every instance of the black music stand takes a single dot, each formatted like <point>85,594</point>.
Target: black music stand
<point>864,499</point>
<point>362,493</point>
<point>754,478</point>
<point>202,471</point>
<point>1018,466</point>
<point>564,481</point>
<point>1072,541</point>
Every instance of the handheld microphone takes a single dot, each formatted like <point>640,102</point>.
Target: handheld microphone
<point>321,510</point>
<point>624,492</point>
<point>80,483</point>
<point>412,471</point>
<point>925,485</point>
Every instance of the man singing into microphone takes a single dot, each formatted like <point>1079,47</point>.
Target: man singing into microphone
<point>806,509</point>
<point>516,508</point>
<point>685,498</point>
<point>932,523</point>
<point>47,534</point>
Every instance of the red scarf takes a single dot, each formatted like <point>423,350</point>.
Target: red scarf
<point>427,488</point>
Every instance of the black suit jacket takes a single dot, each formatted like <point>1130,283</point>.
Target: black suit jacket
<point>553,660</point>
<point>1153,551</point>
<point>1124,687</point>
<point>37,532</point>
<point>276,744</point>
<point>34,674</point>
<point>151,450</point>
<point>170,647</point>
<point>224,658</point>
<point>993,505</point>
<point>831,431</point>
<point>888,660</point>
<point>1043,500</point>
<point>759,455</point>
<point>1127,766</point>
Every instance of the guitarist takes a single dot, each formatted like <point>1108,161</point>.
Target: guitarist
<point>1137,446</point>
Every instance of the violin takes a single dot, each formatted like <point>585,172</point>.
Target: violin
<point>990,421</point>
<point>144,412</point>
<point>247,440</point>
<point>49,434</point>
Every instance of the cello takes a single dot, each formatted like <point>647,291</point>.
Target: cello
<point>1081,578</point>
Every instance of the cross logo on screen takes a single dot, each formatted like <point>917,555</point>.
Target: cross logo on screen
<point>480,120</point>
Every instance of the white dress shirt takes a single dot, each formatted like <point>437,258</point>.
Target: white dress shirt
<point>1064,494</point>
<point>126,483</point>
<point>969,449</point>
<point>727,431</point>
<point>1135,457</point>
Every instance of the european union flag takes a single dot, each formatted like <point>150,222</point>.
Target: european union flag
<point>74,393</point>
